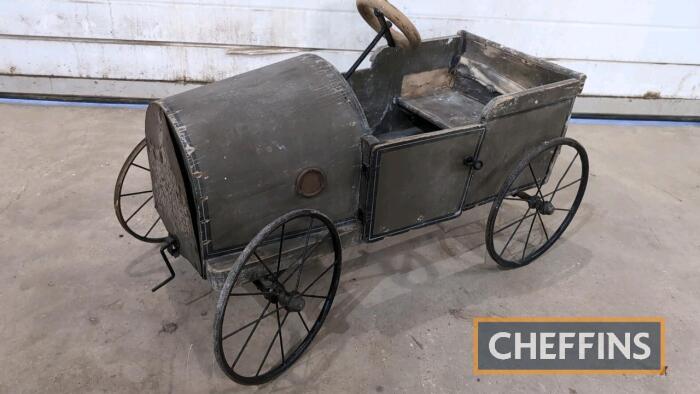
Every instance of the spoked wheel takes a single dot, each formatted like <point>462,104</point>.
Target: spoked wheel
<point>277,296</point>
<point>531,212</point>
<point>133,194</point>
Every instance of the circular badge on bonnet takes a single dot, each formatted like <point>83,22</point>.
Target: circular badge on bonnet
<point>310,182</point>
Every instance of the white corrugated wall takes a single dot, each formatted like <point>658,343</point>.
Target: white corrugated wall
<point>149,48</point>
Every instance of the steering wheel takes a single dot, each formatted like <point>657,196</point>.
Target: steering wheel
<point>407,37</point>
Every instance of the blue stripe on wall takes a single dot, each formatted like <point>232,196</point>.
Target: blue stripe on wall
<point>574,120</point>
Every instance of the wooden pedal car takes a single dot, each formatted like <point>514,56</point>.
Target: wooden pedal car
<point>258,180</point>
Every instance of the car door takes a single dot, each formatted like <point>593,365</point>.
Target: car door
<point>414,181</point>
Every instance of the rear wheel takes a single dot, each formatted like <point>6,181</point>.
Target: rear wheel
<point>531,212</point>
<point>277,296</point>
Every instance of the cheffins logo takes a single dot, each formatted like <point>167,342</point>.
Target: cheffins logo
<point>568,345</point>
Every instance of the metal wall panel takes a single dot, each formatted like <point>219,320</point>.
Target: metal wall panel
<point>174,41</point>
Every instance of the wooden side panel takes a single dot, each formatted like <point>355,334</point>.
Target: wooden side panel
<point>508,138</point>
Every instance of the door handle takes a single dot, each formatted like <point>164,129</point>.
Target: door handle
<point>473,163</point>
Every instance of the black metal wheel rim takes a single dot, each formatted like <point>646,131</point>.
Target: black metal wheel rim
<point>531,212</point>
<point>282,306</point>
<point>142,221</point>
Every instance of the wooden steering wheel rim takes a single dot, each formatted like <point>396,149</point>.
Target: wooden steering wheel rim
<point>406,37</point>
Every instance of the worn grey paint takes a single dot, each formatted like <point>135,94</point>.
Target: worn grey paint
<point>245,139</point>
<point>419,180</point>
<point>171,188</point>
<point>394,163</point>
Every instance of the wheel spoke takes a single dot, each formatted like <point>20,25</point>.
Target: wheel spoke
<point>141,167</point>
<point>255,253</point>
<point>139,208</point>
<point>135,193</point>
<point>271,343</point>
<point>152,226</point>
<point>263,316</point>
<point>514,199</point>
<point>514,231</point>
<point>304,258</point>
<point>527,240</point>
<point>318,277</point>
<point>561,188</point>
<point>562,177</point>
<point>246,294</point>
<point>513,222</point>
<point>303,322</point>
<point>314,296</point>
<point>291,273</point>
<point>279,254</point>
<point>240,353</point>
<point>279,332</point>
<point>543,227</point>
<point>539,191</point>
<point>306,245</point>
<point>562,209</point>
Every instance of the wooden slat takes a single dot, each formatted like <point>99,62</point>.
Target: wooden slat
<point>140,62</point>
<point>637,79</point>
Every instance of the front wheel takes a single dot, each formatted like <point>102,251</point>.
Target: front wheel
<point>277,296</point>
<point>532,209</point>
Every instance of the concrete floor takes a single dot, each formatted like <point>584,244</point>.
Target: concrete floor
<point>77,313</point>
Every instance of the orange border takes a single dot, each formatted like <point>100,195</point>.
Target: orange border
<point>475,346</point>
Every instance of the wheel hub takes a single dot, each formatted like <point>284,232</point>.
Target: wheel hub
<point>293,302</point>
<point>540,205</point>
<point>276,293</point>
<point>546,208</point>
